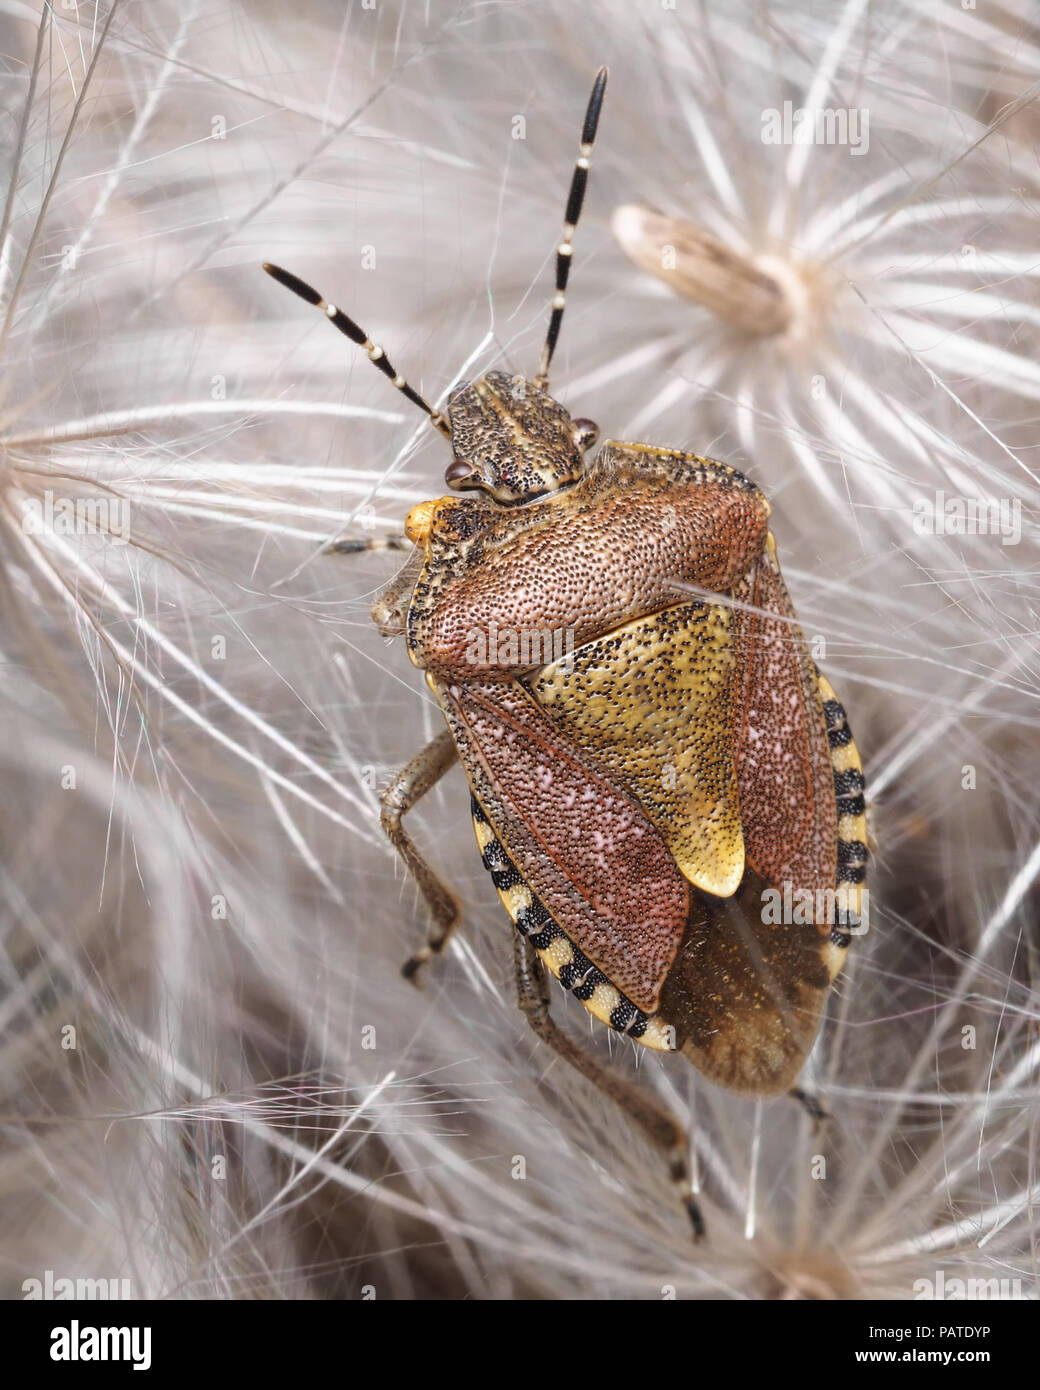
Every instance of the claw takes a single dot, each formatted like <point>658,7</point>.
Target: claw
<point>412,966</point>
<point>810,1105</point>
<point>693,1211</point>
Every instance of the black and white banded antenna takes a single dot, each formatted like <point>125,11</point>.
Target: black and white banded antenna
<point>346,325</point>
<point>575,198</point>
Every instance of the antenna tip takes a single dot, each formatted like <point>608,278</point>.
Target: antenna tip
<point>294,283</point>
<point>588,131</point>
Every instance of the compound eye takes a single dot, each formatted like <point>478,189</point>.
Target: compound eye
<point>458,473</point>
<point>586,432</point>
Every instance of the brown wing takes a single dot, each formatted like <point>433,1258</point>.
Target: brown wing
<point>653,704</point>
<point>784,772</point>
<point>580,840</point>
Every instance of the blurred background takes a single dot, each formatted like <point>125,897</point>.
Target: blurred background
<point>216,1084</point>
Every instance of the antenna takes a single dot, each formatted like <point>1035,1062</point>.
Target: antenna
<point>575,198</point>
<point>346,325</point>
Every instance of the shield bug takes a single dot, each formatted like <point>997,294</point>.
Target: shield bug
<point>665,789</point>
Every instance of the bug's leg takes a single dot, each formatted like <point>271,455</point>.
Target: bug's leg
<point>406,787</point>
<point>346,545</point>
<point>388,612</point>
<point>661,1128</point>
<point>811,1105</point>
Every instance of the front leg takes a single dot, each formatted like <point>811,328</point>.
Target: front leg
<point>391,605</point>
<point>355,545</point>
<point>412,782</point>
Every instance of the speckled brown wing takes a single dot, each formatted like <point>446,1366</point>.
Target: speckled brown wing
<point>580,840</point>
<point>783,761</point>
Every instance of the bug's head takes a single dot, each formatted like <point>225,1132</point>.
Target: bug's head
<point>512,440</point>
<point>509,437</point>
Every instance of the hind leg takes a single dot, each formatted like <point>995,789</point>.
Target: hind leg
<point>660,1127</point>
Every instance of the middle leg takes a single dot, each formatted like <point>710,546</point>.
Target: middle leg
<point>412,782</point>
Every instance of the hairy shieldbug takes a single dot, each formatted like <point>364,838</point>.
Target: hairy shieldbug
<point>642,788</point>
